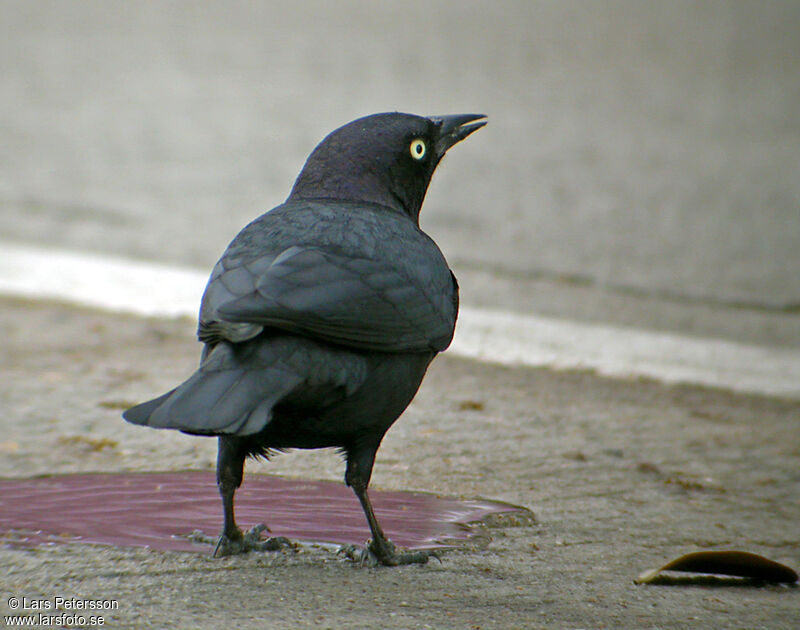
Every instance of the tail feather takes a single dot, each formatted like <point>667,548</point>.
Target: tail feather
<point>238,385</point>
<point>231,401</point>
<point>140,414</point>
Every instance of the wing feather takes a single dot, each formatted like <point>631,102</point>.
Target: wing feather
<point>360,277</point>
<point>357,302</point>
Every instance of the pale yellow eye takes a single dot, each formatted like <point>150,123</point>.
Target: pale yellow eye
<point>418,148</point>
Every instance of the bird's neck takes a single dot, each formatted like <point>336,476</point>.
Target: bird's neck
<point>351,190</point>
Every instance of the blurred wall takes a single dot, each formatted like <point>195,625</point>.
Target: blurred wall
<point>653,145</point>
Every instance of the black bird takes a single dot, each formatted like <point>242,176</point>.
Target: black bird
<point>322,316</point>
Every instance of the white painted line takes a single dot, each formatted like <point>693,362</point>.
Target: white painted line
<point>113,284</point>
<point>152,289</point>
<point>515,339</point>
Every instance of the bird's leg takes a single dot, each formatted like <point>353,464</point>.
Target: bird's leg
<point>380,549</point>
<point>230,471</point>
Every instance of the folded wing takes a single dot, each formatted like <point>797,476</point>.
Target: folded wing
<point>350,300</point>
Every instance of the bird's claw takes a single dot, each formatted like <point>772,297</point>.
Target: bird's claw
<point>251,541</point>
<point>385,553</point>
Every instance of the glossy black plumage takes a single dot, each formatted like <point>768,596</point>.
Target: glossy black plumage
<point>321,317</point>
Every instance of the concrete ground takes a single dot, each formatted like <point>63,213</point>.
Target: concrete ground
<point>639,169</point>
<point>621,476</point>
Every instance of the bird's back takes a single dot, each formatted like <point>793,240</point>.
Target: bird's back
<point>346,305</point>
<point>360,275</point>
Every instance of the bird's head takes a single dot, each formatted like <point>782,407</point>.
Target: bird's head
<point>386,159</point>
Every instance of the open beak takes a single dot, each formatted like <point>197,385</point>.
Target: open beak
<point>455,128</point>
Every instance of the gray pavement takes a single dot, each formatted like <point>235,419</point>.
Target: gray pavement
<point>640,151</point>
<point>621,476</point>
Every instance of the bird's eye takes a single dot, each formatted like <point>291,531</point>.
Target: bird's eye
<point>418,148</point>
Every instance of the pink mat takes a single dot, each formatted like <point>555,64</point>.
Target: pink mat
<point>157,510</point>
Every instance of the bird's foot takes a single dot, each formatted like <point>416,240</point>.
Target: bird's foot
<point>384,552</point>
<point>251,541</point>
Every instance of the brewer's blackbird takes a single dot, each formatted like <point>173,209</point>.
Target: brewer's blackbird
<point>322,316</point>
